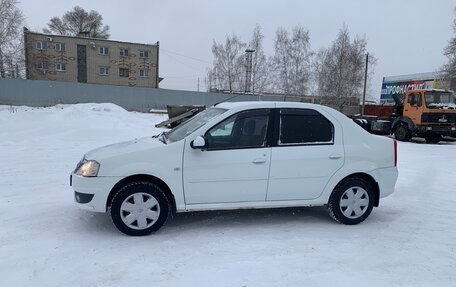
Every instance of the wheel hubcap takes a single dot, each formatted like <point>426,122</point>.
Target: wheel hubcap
<point>354,202</point>
<point>140,211</point>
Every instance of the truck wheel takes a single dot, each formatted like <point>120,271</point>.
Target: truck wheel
<point>351,202</point>
<point>139,208</point>
<point>402,133</point>
<point>433,139</point>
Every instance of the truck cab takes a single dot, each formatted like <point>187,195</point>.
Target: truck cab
<point>430,114</point>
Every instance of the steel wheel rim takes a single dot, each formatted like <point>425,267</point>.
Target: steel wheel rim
<point>139,211</point>
<point>401,132</point>
<point>354,202</point>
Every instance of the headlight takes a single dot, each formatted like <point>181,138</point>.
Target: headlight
<point>88,168</point>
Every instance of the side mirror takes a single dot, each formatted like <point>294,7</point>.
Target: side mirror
<point>199,142</point>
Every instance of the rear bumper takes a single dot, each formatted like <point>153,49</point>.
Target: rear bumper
<point>92,193</point>
<point>386,179</point>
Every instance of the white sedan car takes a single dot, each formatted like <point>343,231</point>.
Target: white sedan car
<point>240,155</point>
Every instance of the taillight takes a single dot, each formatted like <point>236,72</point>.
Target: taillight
<point>395,152</point>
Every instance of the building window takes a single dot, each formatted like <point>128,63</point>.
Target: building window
<point>143,54</point>
<point>144,73</point>
<point>60,67</point>
<point>124,72</point>
<point>60,47</point>
<point>104,71</point>
<point>123,52</point>
<point>42,66</point>
<point>41,45</point>
<point>103,50</point>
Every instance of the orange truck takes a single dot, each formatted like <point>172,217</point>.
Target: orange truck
<point>430,114</point>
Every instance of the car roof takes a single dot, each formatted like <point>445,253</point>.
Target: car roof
<point>264,104</point>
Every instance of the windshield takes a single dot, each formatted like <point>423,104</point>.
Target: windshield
<point>183,130</point>
<point>439,99</point>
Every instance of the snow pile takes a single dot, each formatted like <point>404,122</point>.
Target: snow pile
<point>46,241</point>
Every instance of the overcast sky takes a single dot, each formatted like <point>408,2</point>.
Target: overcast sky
<point>406,36</point>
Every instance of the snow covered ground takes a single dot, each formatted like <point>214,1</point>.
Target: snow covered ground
<point>45,240</point>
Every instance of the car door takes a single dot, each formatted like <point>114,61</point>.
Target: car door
<point>234,164</point>
<point>307,151</point>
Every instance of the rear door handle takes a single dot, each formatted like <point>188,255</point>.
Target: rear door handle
<point>259,160</point>
<point>335,156</point>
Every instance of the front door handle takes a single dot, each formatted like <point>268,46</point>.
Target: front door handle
<point>335,156</point>
<point>259,160</point>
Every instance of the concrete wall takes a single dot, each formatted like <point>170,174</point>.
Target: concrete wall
<point>37,93</point>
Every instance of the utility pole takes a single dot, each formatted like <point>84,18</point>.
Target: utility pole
<point>198,84</point>
<point>248,69</point>
<point>365,84</point>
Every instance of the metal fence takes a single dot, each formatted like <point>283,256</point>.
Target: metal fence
<point>48,93</point>
<point>35,93</point>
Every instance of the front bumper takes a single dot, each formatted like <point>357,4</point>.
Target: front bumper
<point>92,193</point>
<point>442,129</point>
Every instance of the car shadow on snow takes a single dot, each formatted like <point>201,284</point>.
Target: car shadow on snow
<point>307,217</point>
<point>245,217</point>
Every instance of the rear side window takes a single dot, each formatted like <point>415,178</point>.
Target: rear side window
<point>304,126</point>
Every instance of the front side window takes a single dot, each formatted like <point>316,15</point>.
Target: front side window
<point>412,99</point>
<point>242,130</point>
<point>188,127</point>
<point>123,52</point>
<point>304,126</point>
<point>123,72</point>
<point>60,67</point>
<point>60,47</point>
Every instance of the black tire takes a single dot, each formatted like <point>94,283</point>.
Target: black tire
<point>433,139</point>
<point>143,191</point>
<point>336,207</point>
<point>402,133</point>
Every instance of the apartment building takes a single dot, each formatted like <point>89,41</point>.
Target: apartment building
<point>90,60</point>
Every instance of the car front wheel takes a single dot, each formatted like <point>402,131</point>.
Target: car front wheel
<point>351,202</point>
<point>139,208</point>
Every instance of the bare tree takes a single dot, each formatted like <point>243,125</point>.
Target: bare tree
<point>339,69</point>
<point>228,68</point>
<point>79,21</point>
<point>11,56</point>
<point>259,64</point>
<point>292,61</point>
<point>449,69</point>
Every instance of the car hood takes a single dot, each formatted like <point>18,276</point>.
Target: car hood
<point>123,148</point>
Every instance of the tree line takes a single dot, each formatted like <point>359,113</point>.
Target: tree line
<point>294,69</point>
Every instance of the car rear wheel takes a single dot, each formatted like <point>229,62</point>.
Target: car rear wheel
<point>351,202</point>
<point>139,208</point>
